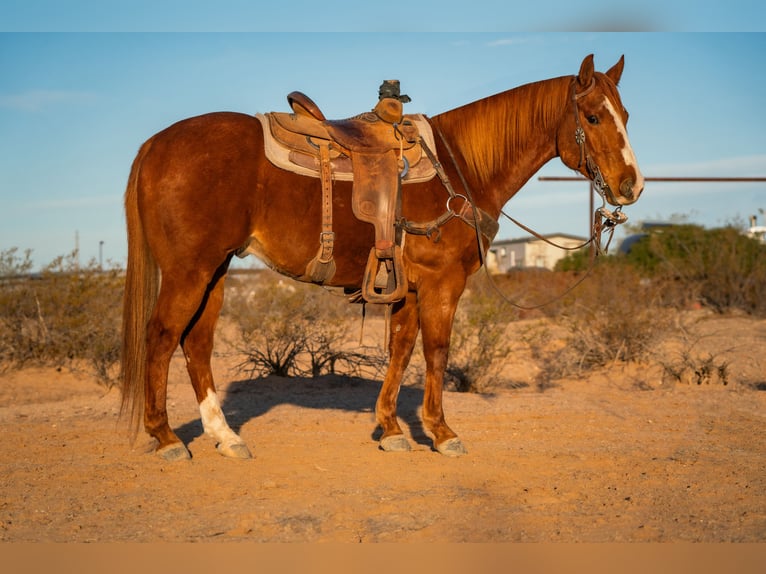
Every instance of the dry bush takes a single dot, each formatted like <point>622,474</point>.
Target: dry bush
<point>68,315</point>
<point>584,322</point>
<point>14,265</point>
<point>691,369</point>
<point>615,317</point>
<point>629,304</point>
<point>287,328</point>
<point>612,316</point>
<point>537,292</point>
<point>697,356</point>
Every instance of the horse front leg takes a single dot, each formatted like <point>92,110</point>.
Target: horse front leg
<point>404,332</point>
<point>437,312</point>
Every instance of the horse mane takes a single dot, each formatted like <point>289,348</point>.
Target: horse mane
<point>494,130</point>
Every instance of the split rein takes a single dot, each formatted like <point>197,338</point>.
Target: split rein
<point>603,220</point>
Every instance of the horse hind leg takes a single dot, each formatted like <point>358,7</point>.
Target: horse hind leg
<point>179,308</point>
<point>175,307</point>
<point>197,345</point>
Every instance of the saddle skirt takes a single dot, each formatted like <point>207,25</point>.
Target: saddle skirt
<point>291,142</point>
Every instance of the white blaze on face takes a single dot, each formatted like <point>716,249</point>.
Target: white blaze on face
<point>214,422</point>
<point>627,152</point>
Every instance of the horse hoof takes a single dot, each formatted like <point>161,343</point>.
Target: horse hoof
<point>395,443</point>
<point>173,452</point>
<point>237,450</point>
<point>452,447</point>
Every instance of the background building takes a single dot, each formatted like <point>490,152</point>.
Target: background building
<point>507,254</point>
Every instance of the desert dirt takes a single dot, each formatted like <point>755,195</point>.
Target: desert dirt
<point>620,455</point>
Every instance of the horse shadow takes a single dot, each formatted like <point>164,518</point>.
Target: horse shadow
<point>247,399</point>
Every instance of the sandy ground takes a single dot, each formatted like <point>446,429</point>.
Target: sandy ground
<point>619,456</point>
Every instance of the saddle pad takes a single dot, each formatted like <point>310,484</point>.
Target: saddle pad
<point>283,157</point>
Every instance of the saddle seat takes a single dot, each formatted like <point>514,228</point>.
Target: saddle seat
<point>377,150</point>
<point>294,138</point>
<point>370,131</point>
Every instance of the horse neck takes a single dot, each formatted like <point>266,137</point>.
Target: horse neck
<point>501,141</point>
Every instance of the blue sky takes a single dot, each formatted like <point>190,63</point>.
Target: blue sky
<point>75,106</point>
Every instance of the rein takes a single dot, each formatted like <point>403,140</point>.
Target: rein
<point>604,219</point>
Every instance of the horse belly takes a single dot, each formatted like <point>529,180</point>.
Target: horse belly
<point>288,225</point>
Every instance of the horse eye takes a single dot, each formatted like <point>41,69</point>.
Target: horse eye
<point>593,120</point>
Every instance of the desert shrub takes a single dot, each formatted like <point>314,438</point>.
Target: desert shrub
<point>536,292</point>
<point>13,265</point>
<point>721,268</point>
<point>613,316</point>
<point>68,315</point>
<point>287,328</point>
<point>690,369</point>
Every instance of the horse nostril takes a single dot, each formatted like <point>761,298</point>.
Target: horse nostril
<point>626,188</point>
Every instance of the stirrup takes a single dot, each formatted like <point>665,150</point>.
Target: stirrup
<point>396,287</point>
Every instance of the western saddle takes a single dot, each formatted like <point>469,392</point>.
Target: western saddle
<point>377,150</point>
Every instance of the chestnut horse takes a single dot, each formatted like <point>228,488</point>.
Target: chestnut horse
<point>202,187</point>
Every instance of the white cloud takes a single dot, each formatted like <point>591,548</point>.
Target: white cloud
<point>36,100</point>
<point>507,42</point>
<point>742,166</point>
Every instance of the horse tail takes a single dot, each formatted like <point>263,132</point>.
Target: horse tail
<point>142,279</point>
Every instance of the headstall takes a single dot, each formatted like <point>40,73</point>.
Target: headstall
<point>593,170</point>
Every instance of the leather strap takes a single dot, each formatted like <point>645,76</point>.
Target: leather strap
<point>327,237</point>
<point>322,267</point>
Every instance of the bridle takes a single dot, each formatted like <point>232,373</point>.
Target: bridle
<point>594,173</point>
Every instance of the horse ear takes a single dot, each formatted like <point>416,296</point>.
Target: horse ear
<point>586,72</point>
<point>615,72</point>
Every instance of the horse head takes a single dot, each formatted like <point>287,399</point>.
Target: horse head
<point>593,138</point>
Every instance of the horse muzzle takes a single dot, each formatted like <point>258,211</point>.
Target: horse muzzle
<point>630,190</point>
<point>627,192</point>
